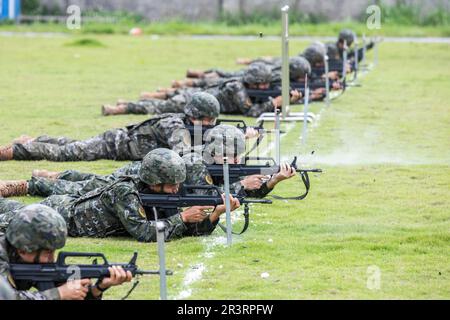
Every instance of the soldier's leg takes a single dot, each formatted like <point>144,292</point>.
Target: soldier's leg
<point>44,187</point>
<point>104,146</point>
<point>54,140</point>
<point>69,175</point>
<point>147,106</point>
<point>7,205</point>
<point>74,175</point>
<point>8,209</point>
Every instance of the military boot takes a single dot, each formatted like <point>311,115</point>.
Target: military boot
<point>6,153</point>
<point>108,110</point>
<point>194,73</point>
<point>51,175</point>
<point>13,188</point>
<point>153,95</point>
<point>182,83</point>
<point>23,139</point>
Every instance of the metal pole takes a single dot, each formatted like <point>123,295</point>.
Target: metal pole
<point>277,137</point>
<point>344,61</point>
<point>356,61</point>
<point>160,238</point>
<point>327,81</point>
<point>375,56</point>
<point>226,180</point>
<point>305,111</point>
<point>285,60</point>
<point>363,61</point>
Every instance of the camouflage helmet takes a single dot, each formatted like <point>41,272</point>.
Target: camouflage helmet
<point>315,53</point>
<point>257,72</point>
<point>37,227</point>
<point>298,67</point>
<point>332,51</point>
<point>348,35</point>
<point>162,166</point>
<point>6,291</point>
<point>223,140</point>
<point>201,105</point>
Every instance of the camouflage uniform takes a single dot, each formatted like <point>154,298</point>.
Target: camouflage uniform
<point>174,104</point>
<point>27,233</point>
<point>130,143</point>
<point>78,183</point>
<point>231,94</point>
<point>31,229</point>
<point>116,209</point>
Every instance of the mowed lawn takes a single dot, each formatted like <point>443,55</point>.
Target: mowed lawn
<point>380,210</point>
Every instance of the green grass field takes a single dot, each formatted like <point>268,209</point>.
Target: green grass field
<point>214,28</point>
<point>383,199</point>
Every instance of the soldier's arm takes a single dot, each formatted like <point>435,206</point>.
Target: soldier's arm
<point>243,101</point>
<point>246,106</point>
<point>131,213</point>
<point>178,137</point>
<point>258,108</point>
<point>263,191</point>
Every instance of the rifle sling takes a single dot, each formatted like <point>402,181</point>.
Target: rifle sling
<point>244,228</point>
<point>305,179</point>
<point>135,284</point>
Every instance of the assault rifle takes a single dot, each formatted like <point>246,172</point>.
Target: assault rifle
<point>240,124</point>
<point>263,95</point>
<point>48,275</point>
<point>237,171</point>
<point>212,197</point>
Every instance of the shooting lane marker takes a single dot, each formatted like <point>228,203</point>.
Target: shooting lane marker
<point>285,61</point>
<point>355,75</point>
<point>327,81</point>
<point>305,111</point>
<point>226,180</point>
<point>160,238</point>
<point>286,114</point>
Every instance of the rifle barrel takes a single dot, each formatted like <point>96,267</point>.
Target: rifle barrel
<point>309,170</point>
<point>143,272</point>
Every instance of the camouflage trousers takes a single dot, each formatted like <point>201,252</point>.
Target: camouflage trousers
<point>42,187</point>
<point>9,208</point>
<point>113,144</point>
<point>174,104</point>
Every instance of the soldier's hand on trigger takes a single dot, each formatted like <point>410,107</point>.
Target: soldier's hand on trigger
<point>253,182</point>
<point>195,214</point>
<point>251,133</point>
<point>295,96</point>
<point>74,290</point>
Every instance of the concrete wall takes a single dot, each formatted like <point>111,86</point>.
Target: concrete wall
<point>209,9</point>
